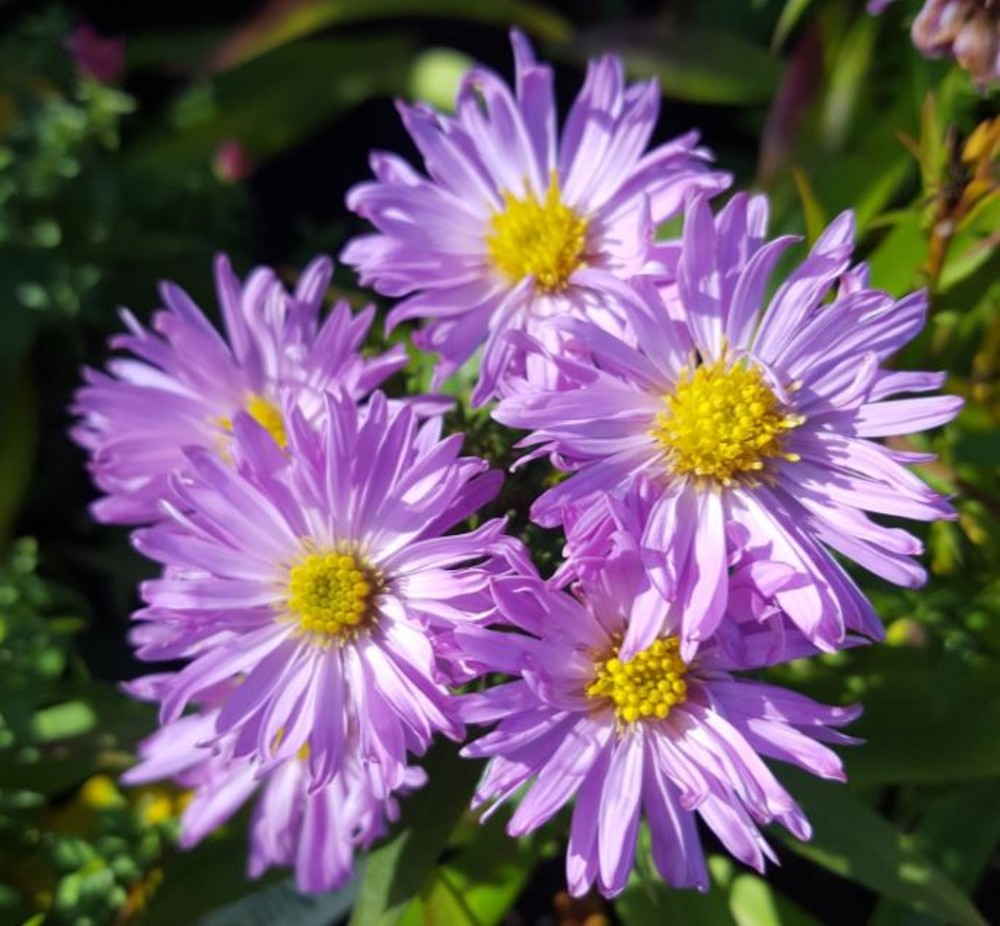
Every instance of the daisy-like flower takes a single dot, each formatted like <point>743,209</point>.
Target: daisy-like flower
<point>751,423</point>
<point>315,578</point>
<point>493,239</point>
<point>653,736</point>
<point>186,381</point>
<point>314,830</point>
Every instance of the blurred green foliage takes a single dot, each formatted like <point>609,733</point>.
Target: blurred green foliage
<point>72,847</point>
<point>103,190</point>
<point>75,216</point>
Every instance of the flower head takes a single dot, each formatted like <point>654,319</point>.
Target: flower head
<point>749,423</point>
<point>651,735</point>
<point>314,830</point>
<point>494,238</point>
<point>186,382</point>
<point>315,579</point>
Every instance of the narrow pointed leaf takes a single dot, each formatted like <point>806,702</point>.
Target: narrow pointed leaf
<point>853,841</point>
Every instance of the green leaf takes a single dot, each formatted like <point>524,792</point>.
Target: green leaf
<point>274,102</point>
<point>815,215</point>
<point>790,15</point>
<point>753,902</point>
<point>873,166</point>
<point>441,901</point>
<point>205,878</point>
<point>974,244</point>
<point>648,901</point>
<point>276,26</point>
<point>977,448</point>
<point>102,726</point>
<point>397,870</point>
<point>655,904</point>
<point>61,721</point>
<point>484,873</point>
<point>742,899</point>
<point>282,903</point>
<point>854,842</point>
<point>846,80</point>
<point>900,255</point>
<point>960,830</point>
<point>928,718</point>
<point>691,63</point>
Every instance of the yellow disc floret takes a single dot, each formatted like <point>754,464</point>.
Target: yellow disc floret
<point>723,424</point>
<point>541,238</point>
<point>331,595</point>
<point>266,414</point>
<point>647,686</point>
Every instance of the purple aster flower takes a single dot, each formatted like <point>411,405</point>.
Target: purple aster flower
<point>751,422</point>
<point>652,736</point>
<point>315,577</point>
<point>186,381</point>
<point>495,236</point>
<point>316,830</point>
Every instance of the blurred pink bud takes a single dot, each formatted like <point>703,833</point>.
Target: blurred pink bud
<point>968,30</point>
<point>232,163</point>
<point>977,45</point>
<point>95,55</point>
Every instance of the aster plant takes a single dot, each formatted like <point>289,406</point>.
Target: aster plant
<point>337,584</point>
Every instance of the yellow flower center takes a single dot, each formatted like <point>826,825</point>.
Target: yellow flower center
<point>540,238</point>
<point>266,414</point>
<point>331,595</point>
<point>723,424</point>
<point>647,686</point>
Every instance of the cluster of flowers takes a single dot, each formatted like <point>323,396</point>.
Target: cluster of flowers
<point>324,604</point>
